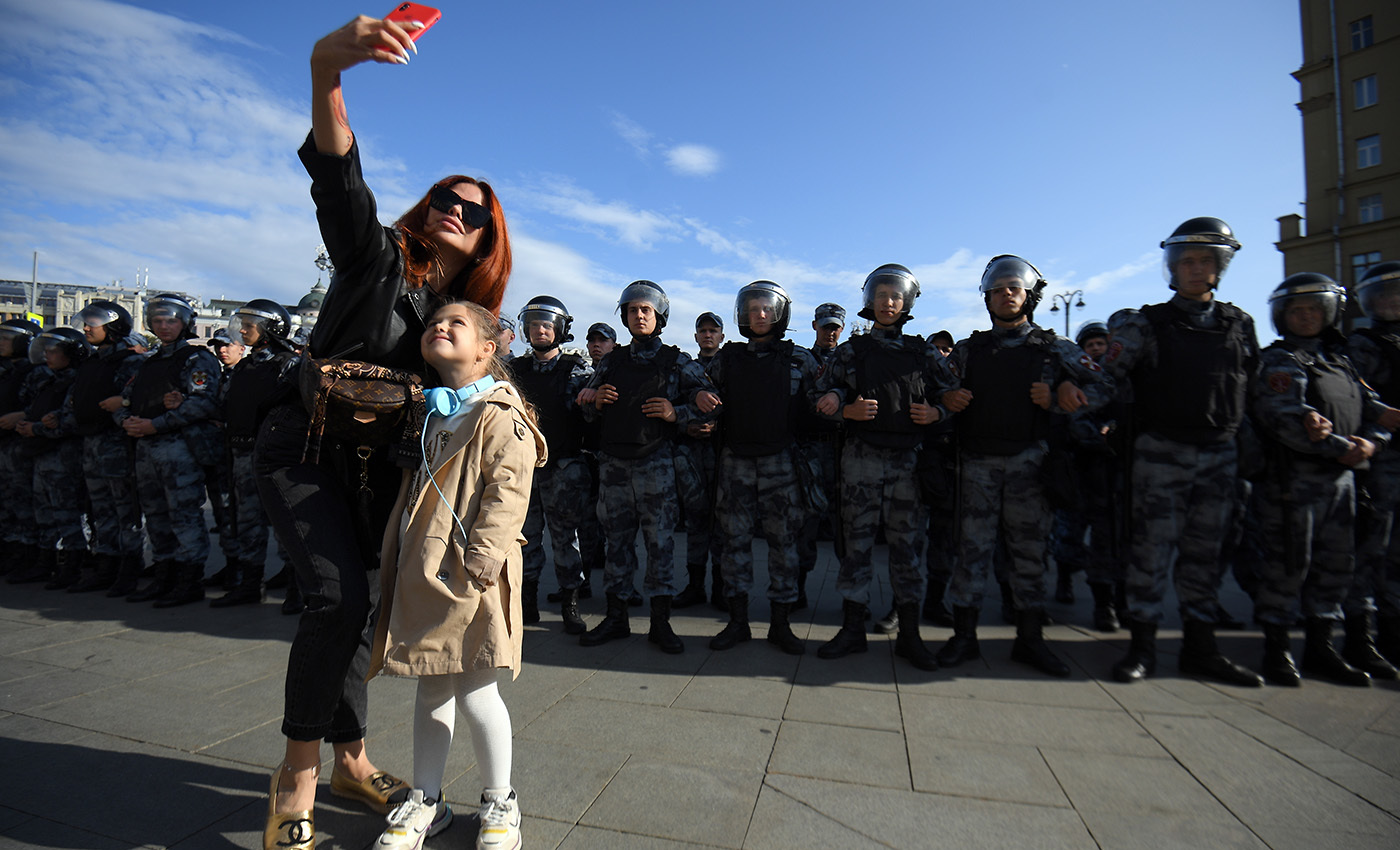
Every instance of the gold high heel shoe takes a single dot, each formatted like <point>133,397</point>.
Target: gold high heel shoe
<point>288,830</point>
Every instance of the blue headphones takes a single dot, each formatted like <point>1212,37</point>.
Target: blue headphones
<point>445,401</point>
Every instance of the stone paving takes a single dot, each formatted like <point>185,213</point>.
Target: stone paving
<point>123,726</point>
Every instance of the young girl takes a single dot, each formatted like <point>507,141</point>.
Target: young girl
<point>451,576</point>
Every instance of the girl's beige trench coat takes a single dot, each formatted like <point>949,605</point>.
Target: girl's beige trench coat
<point>449,605</point>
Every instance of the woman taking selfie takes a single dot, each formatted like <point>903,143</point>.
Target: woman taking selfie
<point>330,507</point>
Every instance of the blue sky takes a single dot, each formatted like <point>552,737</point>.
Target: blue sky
<point>698,145</point>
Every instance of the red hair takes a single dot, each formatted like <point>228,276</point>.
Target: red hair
<point>483,281</point>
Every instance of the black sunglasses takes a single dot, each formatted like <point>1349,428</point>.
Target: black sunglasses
<point>444,199</point>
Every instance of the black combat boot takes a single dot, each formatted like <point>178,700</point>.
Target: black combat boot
<point>227,578</point>
<point>962,646</point>
<point>163,580</point>
<point>1388,637</point>
<point>1030,646</point>
<point>909,645</point>
<point>68,569</point>
<point>1141,660</point>
<point>718,600</point>
<point>530,601</point>
<point>935,612</point>
<point>102,575</point>
<point>1201,657</point>
<point>249,590</point>
<point>1321,659</point>
<point>801,603</point>
<point>39,568</point>
<point>613,627</point>
<point>1064,585</point>
<point>780,629</point>
<point>568,612</point>
<point>736,631</point>
<point>660,632</point>
<point>16,557</point>
<point>1278,666</point>
<point>1105,617</point>
<point>1359,650</point>
<point>128,572</point>
<point>282,579</point>
<point>888,624</point>
<point>187,588</point>
<point>851,637</point>
<point>694,592</point>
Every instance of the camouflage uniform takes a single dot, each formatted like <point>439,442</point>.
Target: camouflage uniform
<point>639,493</point>
<point>1376,583</point>
<point>16,461</point>
<point>819,438</point>
<point>60,498</point>
<point>168,473</point>
<point>1183,492</point>
<point>878,481</point>
<point>557,493</point>
<point>1002,495</point>
<point>763,488</point>
<point>1308,508</point>
<point>695,459</point>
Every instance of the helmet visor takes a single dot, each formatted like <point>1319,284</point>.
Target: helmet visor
<point>760,312</point>
<point>1197,252</point>
<point>95,316</point>
<point>1380,301</point>
<point>1305,314</point>
<point>1009,272</point>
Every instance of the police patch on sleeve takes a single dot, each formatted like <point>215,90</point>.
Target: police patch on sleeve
<point>1088,363</point>
<point>199,379</point>
<point>1279,382</point>
<point>1115,348</point>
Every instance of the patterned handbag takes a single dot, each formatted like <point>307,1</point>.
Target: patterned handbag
<point>362,405</point>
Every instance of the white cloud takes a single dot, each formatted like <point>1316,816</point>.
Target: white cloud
<point>613,220</point>
<point>633,134</point>
<point>693,160</point>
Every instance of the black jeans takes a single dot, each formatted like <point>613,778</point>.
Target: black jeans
<point>332,527</point>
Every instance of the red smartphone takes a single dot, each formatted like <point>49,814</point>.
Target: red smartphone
<point>425,15</point>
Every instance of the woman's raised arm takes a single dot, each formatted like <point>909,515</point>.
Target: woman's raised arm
<point>362,40</point>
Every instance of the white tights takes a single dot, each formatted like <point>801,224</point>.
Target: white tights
<point>439,697</point>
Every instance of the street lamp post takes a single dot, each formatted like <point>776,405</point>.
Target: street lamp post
<point>1068,299</point>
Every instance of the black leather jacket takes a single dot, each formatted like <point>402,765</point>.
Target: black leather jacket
<point>370,313</point>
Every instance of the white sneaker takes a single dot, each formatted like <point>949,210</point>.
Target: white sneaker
<point>500,822</point>
<point>414,820</point>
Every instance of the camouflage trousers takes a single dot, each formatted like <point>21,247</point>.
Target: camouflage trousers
<point>1309,529</point>
<point>695,473</point>
<point>172,498</point>
<point>877,485</point>
<point>759,493</point>
<point>813,524</point>
<point>1072,552</point>
<point>1184,501</point>
<point>639,494</point>
<point>60,498</point>
<point>114,511</point>
<point>558,499</point>
<point>1376,583</point>
<point>590,530</point>
<point>17,480</point>
<point>1002,505</point>
<point>244,533</point>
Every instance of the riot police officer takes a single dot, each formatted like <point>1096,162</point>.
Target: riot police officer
<point>884,384</point>
<point>260,380</point>
<point>819,441</point>
<point>696,455</point>
<point>1188,362</point>
<point>1007,382</point>
<point>173,445</point>
<point>551,380</point>
<point>762,390</point>
<point>16,465</point>
<point>641,393</point>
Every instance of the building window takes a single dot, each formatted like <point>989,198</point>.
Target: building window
<point>1361,262</point>
<point>1361,33</point>
<point>1364,92</point>
<point>1369,209</point>
<point>1368,151</point>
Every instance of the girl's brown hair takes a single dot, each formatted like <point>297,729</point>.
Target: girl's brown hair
<point>488,326</point>
<point>483,281</point>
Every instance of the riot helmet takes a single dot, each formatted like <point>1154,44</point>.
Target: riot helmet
<point>272,320</point>
<point>169,305</point>
<point>1201,232</point>
<point>1010,271</point>
<point>20,333</point>
<point>1307,288</point>
<point>68,340</point>
<point>648,293</point>
<point>762,295</point>
<point>891,274</point>
<point>1088,330</point>
<point>110,316</point>
<point>547,308</point>
<point>1378,292</point>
